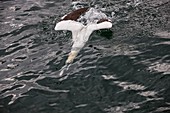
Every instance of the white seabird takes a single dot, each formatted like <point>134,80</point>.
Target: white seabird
<point>82,23</point>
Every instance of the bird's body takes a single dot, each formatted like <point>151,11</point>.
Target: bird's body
<point>82,23</point>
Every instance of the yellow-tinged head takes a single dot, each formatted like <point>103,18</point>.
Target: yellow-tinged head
<point>71,56</point>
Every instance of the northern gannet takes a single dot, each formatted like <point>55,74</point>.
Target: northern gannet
<point>82,22</point>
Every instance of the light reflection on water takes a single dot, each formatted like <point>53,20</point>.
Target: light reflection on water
<point>126,70</point>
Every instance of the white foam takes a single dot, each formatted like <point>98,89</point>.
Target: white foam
<point>92,16</point>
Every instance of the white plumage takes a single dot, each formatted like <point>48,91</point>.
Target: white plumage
<point>81,30</point>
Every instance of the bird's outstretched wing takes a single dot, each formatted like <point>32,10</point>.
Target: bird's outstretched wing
<point>102,25</point>
<point>69,25</point>
<point>73,26</point>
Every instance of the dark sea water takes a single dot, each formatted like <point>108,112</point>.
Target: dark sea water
<point>122,70</point>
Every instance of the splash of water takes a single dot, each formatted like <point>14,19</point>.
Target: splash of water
<point>64,68</point>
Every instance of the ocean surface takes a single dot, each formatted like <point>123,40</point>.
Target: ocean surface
<point>122,70</point>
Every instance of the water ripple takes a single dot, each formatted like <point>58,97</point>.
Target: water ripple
<point>125,69</point>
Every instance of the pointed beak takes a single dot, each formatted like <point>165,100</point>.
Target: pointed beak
<point>71,56</point>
